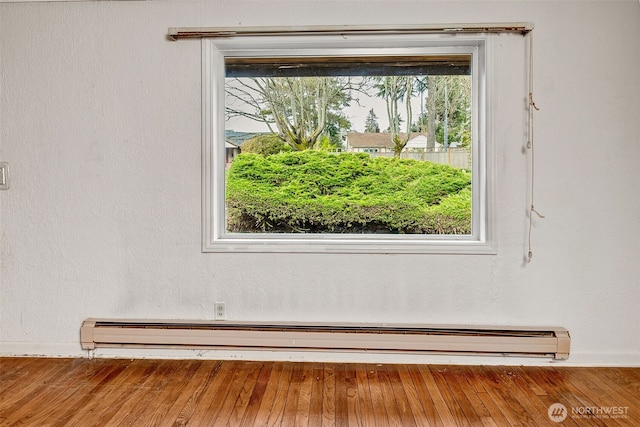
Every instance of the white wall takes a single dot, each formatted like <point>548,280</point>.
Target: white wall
<point>100,123</point>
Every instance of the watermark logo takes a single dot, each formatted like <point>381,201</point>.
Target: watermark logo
<point>557,412</point>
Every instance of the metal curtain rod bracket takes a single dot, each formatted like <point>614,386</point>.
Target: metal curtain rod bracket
<point>522,28</point>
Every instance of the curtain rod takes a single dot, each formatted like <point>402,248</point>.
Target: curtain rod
<point>207,32</point>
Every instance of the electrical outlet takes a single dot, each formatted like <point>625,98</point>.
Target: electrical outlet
<point>221,311</point>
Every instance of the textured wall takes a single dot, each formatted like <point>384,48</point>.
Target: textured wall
<point>100,122</point>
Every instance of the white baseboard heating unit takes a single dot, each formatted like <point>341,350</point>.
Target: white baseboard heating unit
<point>474,340</point>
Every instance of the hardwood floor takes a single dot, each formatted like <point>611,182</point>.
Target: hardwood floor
<point>107,392</point>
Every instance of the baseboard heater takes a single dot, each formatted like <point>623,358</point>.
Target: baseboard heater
<point>476,340</point>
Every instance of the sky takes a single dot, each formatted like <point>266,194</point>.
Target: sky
<point>356,114</point>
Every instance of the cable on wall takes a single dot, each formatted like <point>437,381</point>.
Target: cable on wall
<point>530,145</point>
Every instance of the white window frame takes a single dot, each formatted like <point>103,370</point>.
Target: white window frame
<point>215,238</point>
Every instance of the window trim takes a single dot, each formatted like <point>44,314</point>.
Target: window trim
<point>214,237</point>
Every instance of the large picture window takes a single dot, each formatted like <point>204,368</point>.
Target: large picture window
<point>365,144</point>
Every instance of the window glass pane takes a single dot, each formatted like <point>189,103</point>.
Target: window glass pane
<point>367,145</point>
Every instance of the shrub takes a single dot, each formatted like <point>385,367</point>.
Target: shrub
<point>314,192</point>
<point>265,145</point>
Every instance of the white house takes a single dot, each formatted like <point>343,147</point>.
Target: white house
<point>381,142</point>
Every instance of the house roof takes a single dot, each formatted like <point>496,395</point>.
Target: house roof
<point>237,138</point>
<point>369,140</point>
<point>373,140</point>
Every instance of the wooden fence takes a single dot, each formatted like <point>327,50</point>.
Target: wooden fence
<point>456,157</point>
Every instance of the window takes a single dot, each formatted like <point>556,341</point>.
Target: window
<point>344,144</point>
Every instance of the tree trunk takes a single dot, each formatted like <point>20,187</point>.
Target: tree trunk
<point>431,112</point>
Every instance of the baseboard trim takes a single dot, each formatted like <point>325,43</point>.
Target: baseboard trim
<point>41,349</point>
<point>73,350</point>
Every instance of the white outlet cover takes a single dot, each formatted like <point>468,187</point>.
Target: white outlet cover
<point>220,311</point>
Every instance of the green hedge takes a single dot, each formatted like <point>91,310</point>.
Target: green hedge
<point>266,145</point>
<point>314,192</point>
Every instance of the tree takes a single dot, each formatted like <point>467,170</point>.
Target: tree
<point>395,89</point>
<point>448,115</point>
<point>336,123</point>
<point>431,111</point>
<point>449,109</point>
<point>421,86</point>
<point>301,108</point>
<point>371,124</point>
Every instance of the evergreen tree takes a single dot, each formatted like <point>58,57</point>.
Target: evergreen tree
<point>371,124</point>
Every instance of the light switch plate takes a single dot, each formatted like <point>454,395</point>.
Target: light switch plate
<point>4,176</point>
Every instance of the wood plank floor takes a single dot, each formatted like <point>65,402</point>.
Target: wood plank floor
<point>108,392</point>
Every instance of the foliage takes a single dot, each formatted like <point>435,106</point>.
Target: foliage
<point>324,143</point>
<point>336,123</point>
<point>394,89</point>
<point>315,192</point>
<point>302,108</point>
<point>447,117</point>
<point>450,100</point>
<point>371,123</point>
<point>265,145</point>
